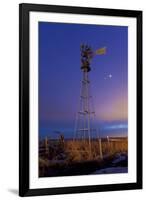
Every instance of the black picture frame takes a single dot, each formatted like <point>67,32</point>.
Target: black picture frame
<point>24,174</point>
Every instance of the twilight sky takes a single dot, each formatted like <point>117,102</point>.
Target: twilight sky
<point>60,74</point>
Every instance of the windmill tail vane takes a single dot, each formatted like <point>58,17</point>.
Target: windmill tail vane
<point>101,51</point>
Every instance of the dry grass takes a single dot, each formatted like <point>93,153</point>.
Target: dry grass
<point>59,155</point>
<point>79,150</point>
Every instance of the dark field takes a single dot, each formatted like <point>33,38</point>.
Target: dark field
<point>67,157</point>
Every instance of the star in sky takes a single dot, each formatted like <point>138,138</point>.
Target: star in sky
<point>109,76</point>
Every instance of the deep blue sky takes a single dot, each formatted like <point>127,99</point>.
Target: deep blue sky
<point>60,74</point>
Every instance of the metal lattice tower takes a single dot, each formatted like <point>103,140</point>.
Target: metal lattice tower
<point>85,127</point>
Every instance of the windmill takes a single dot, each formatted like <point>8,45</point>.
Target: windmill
<point>84,129</point>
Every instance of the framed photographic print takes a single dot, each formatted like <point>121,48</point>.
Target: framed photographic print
<point>80,99</point>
